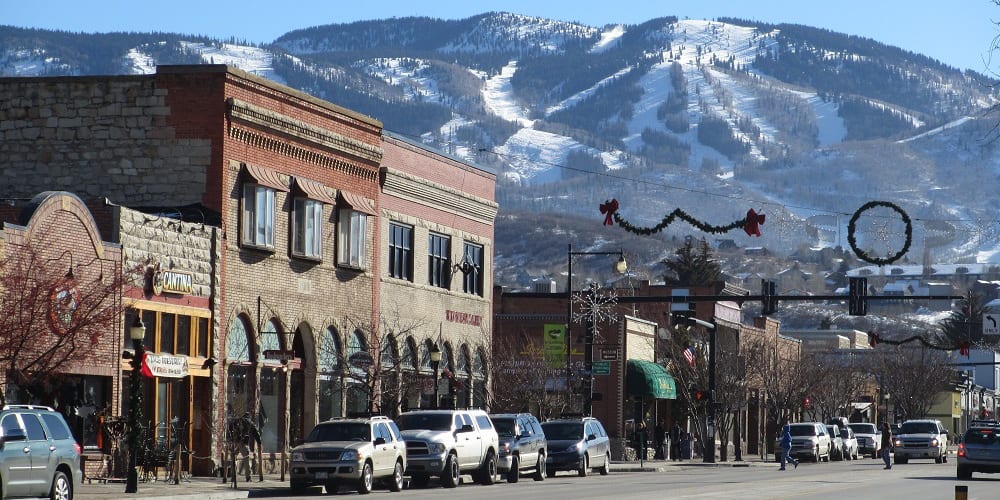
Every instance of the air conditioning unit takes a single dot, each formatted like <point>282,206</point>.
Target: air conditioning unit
<point>548,286</point>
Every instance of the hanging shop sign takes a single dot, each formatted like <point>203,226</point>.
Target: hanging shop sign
<point>279,355</point>
<point>179,282</point>
<point>164,365</point>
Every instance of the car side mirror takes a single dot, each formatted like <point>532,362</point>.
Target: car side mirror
<point>379,440</point>
<point>16,434</point>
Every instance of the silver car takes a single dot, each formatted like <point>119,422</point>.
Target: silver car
<point>356,452</point>
<point>869,438</point>
<point>38,455</point>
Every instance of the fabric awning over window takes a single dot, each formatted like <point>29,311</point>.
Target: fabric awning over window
<point>265,177</point>
<point>314,190</point>
<point>357,202</point>
<point>645,378</point>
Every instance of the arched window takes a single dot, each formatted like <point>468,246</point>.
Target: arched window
<point>270,338</point>
<point>239,382</point>
<point>356,343</point>
<point>462,361</point>
<point>329,352</point>
<point>237,342</point>
<point>408,359</point>
<point>388,353</point>
<point>331,389</point>
<point>425,356</point>
<point>446,363</point>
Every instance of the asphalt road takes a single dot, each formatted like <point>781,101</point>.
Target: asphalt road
<point>862,479</point>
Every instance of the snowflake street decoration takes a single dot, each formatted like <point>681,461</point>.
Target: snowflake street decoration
<point>881,226</point>
<point>597,306</point>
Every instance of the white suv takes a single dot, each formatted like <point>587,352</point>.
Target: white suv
<point>448,443</point>
<point>921,439</point>
<point>809,439</point>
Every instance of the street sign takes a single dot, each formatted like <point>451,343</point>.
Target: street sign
<point>609,354</point>
<point>601,368</point>
<point>279,355</point>
<point>990,324</point>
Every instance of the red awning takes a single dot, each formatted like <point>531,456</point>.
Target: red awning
<point>314,190</point>
<point>357,202</point>
<point>265,177</point>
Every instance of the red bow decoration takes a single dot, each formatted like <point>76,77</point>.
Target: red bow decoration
<point>609,208</point>
<point>873,339</point>
<point>963,348</point>
<point>753,222</point>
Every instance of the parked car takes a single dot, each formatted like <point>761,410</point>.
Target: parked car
<point>869,438</point>
<point>809,439</point>
<point>352,451</point>
<point>449,443</point>
<point>579,444</point>
<point>38,455</point>
<point>921,439</point>
<point>850,443</point>
<point>979,450</point>
<point>837,453</point>
<point>522,445</point>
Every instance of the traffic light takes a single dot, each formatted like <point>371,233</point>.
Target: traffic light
<point>857,302</point>
<point>698,395</point>
<point>768,300</point>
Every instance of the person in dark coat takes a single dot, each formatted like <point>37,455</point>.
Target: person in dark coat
<point>887,445</point>
<point>675,441</point>
<point>658,441</point>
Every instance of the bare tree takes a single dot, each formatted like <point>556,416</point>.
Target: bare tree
<point>774,368</point>
<point>914,376</point>
<point>831,382</point>
<point>529,380</point>
<point>50,317</point>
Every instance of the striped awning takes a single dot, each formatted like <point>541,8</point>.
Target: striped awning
<point>648,379</point>
<point>357,202</point>
<point>314,190</point>
<point>265,177</point>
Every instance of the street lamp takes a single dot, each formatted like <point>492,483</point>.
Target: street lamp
<point>709,448</point>
<point>436,365</point>
<point>136,332</point>
<point>621,266</point>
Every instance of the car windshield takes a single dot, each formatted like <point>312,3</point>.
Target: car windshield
<point>981,436</point>
<point>424,421</point>
<point>504,426</point>
<point>863,428</point>
<point>341,431</point>
<point>802,430</point>
<point>559,431</point>
<point>918,428</point>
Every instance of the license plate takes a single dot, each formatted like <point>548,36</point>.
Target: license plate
<point>321,475</point>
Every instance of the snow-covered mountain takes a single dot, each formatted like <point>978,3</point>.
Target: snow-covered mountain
<point>712,117</point>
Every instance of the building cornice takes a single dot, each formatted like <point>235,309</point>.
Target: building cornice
<point>423,192</point>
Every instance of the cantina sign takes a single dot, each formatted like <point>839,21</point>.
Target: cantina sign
<point>173,282</point>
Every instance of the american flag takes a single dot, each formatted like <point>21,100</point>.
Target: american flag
<point>689,355</point>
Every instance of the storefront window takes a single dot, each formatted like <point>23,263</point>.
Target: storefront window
<point>238,381</point>
<point>330,392</point>
<point>84,402</point>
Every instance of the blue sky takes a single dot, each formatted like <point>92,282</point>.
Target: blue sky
<point>958,33</point>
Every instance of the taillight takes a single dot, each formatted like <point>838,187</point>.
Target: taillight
<point>961,450</point>
<point>77,449</point>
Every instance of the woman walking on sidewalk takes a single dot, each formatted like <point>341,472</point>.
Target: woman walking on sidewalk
<point>786,448</point>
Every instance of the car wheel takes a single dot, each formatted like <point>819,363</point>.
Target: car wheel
<point>606,468</point>
<point>450,476</point>
<point>397,477</point>
<point>365,481</point>
<point>513,474</point>
<point>964,472</point>
<point>540,471</point>
<point>816,457</point>
<point>488,474</point>
<point>584,466</point>
<point>62,488</point>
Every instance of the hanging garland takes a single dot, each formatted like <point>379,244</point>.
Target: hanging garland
<point>852,228</point>
<point>750,224</point>
<point>963,346</point>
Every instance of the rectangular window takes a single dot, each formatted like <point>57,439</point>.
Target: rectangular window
<point>472,269</point>
<point>351,249</point>
<point>307,228</point>
<point>401,251</point>
<point>439,260</point>
<point>258,216</point>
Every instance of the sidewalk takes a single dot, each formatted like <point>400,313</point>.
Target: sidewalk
<point>208,488</point>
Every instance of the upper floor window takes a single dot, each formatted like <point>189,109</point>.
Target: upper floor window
<point>351,248</point>
<point>401,251</point>
<point>307,228</point>
<point>439,260</point>
<point>472,269</point>
<point>258,216</point>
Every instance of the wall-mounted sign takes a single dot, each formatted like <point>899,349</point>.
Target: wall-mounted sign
<point>463,318</point>
<point>165,365</point>
<point>278,355</point>
<point>609,354</point>
<point>601,368</point>
<point>173,282</point>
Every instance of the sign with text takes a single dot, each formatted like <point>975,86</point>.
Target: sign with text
<point>165,365</point>
<point>990,324</point>
<point>601,368</point>
<point>278,355</point>
<point>609,354</point>
<point>554,340</point>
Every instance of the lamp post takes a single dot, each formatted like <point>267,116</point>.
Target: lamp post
<point>621,266</point>
<point>709,448</point>
<point>136,332</point>
<point>436,365</point>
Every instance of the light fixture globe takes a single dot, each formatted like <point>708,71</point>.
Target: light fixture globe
<point>138,330</point>
<point>621,266</point>
<point>435,354</point>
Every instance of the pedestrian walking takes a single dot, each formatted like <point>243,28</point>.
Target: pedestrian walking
<point>887,445</point>
<point>658,439</point>
<point>675,441</point>
<point>786,448</point>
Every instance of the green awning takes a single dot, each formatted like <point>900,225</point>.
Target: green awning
<point>645,378</point>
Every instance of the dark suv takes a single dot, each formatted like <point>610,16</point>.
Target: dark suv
<point>38,455</point>
<point>522,445</point>
<point>579,444</point>
<point>979,450</point>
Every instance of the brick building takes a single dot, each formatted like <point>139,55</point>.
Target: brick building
<point>286,189</point>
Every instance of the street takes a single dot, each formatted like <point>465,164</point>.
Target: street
<point>856,479</point>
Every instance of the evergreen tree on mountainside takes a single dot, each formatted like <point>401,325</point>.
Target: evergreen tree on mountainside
<point>692,266</point>
<point>964,325</point>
